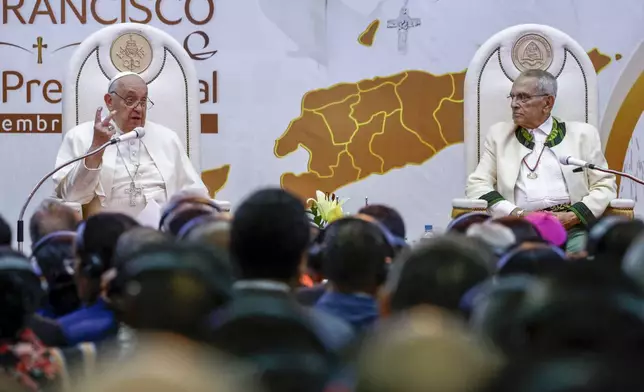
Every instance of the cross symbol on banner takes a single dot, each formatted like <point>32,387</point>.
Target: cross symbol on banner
<point>39,45</point>
<point>403,23</point>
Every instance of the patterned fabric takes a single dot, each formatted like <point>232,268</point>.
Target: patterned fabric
<point>555,137</point>
<point>492,198</point>
<point>29,362</point>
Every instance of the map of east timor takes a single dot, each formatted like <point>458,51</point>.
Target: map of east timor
<point>354,130</point>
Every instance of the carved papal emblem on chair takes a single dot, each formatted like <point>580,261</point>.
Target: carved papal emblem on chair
<point>494,68</point>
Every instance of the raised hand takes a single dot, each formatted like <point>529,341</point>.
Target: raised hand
<point>103,131</point>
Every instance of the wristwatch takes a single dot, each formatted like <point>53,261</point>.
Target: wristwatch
<point>520,213</point>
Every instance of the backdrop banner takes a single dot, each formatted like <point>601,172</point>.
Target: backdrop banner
<point>309,94</point>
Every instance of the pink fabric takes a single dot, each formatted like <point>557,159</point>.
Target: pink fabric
<point>548,227</point>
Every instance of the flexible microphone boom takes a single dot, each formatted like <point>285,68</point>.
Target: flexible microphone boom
<point>136,133</point>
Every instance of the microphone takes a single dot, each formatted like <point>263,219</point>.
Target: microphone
<point>576,162</point>
<point>136,133</point>
<point>585,165</point>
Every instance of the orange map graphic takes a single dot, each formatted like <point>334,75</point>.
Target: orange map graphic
<point>215,179</point>
<point>354,130</point>
<point>366,37</point>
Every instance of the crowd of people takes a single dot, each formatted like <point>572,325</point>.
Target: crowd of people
<point>261,299</point>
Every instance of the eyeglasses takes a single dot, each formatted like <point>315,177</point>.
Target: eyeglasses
<point>523,98</point>
<point>131,103</point>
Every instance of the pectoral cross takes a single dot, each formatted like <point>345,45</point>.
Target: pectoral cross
<point>134,192</point>
<point>403,23</point>
<point>39,45</point>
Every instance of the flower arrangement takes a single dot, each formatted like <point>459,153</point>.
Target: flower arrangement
<point>325,208</point>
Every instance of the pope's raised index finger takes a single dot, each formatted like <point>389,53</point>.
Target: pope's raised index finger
<point>97,118</point>
<point>106,122</point>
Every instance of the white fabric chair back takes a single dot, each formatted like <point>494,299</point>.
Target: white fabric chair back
<point>503,57</point>
<point>162,62</point>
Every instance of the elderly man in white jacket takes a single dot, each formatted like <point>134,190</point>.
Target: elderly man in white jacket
<point>519,169</point>
<point>124,177</point>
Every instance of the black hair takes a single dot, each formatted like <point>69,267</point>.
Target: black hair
<point>440,272</point>
<point>192,281</point>
<point>388,216</point>
<point>269,235</point>
<point>13,307</point>
<point>97,240</point>
<point>55,261</point>
<point>355,255</point>
<point>5,233</point>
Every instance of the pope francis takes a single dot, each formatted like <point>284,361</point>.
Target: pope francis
<point>519,169</point>
<point>126,176</point>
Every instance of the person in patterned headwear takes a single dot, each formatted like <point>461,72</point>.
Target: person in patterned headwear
<point>23,356</point>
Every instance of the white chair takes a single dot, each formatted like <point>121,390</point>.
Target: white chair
<point>489,79</point>
<point>161,61</point>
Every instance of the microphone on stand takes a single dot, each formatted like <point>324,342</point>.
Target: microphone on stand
<point>136,133</point>
<point>585,165</point>
<point>576,162</point>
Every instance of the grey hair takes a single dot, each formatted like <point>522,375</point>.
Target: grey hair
<point>546,82</point>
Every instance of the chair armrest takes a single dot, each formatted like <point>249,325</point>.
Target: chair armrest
<point>462,206</point>
<point>472,204</point>
<point>224,205</point>
<point>623,204</point>
<point>621,207</point>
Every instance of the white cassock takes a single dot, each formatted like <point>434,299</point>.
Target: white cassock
<point>131,174</point>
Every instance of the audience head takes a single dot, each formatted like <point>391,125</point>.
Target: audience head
<point>388,216</point>
<point>523,230</point>
<point>440,272</point>
<point>548,227</point>
<point>586,307</point>
<point>172,288</point>
<point>269,236</point>
<point>19,293</point>
<point>633,262</point>
<point>52,216</point>
<point>495,306</point>
<point>424,350</point>
<point>213,230</point>
<point>575,373</point>
<point>136,239</point>
<point>356,253</point>
<point>96,240</point>
<point>164,364</point>
<point>54,256</point>
<point>288,353</point>
<point>500,238</point>
<point>5,233</point>
<point>462,223</point>
<point>532,259</point>
<point>184,207</point>
<point>610,237</point>
<point>532,98</point>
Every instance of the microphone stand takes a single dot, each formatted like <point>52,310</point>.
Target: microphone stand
<point>617,173</point>
<point>21,224</point>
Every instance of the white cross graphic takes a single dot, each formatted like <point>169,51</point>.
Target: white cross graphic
<point>403,23</point>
